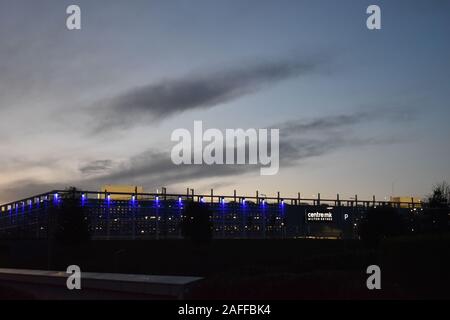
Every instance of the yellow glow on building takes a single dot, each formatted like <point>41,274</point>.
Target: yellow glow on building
<point>111,188</point>
<point>406,202</point>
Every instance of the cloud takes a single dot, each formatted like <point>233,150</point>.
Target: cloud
<point>335,122</point>
<point>156,168</point>
<point>96,167</point>
<point>195,91</point>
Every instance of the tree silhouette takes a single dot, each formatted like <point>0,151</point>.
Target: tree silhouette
<point>437,211</point>
<point>196,224</point>
<point>72,227</point>
<point>379,223</point>
<point>439,197</point>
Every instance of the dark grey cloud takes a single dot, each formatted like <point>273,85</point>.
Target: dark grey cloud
<point>336,122</point>
<point>96,167</point>
<point>195,91</point>
<point>156,168</point>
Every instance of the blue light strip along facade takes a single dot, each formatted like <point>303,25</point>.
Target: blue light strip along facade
<point>158,216</point>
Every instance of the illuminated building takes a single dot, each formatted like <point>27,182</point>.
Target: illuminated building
<point>117,213</point>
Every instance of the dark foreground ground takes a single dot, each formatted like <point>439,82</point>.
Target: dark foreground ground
<point>412,268</point>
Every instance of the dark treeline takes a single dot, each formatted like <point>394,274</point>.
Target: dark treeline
<point>431,218</point>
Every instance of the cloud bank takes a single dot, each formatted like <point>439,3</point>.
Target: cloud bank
<point>193,92</point>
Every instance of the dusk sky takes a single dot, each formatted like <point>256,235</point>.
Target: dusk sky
<point>359,111</point>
